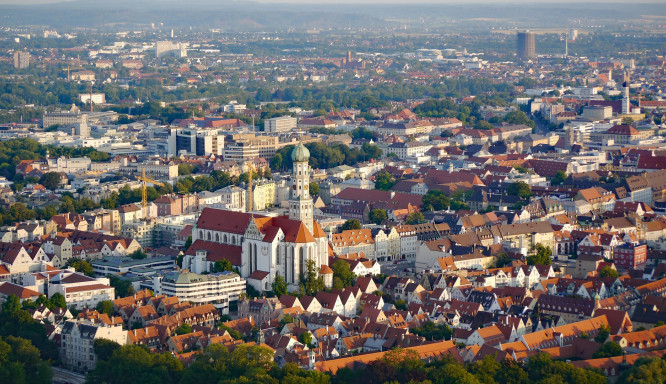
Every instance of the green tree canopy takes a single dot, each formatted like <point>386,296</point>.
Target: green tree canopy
<point>310,280</point>
<point>183,329</point>
<point>520,189</point>
<point>50,180</point>
<point>541,255</point>
<point>222,266</point>
<point>342,271</point>
<point>415,218</point>
<point>609,349</point>
<point>313,188</point>
<point>279,286</point>
<point>607,271</point>
<point>384,181</point>
<point>105,306</point>
<point>351,224</point>
<point>435,200</point>
<point>81,266</point>
<point>559,178</point>
<point>378,216</point>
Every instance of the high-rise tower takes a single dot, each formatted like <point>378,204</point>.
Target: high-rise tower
<point>300,203</point>
<point>526,45</point>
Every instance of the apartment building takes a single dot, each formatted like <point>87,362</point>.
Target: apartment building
<point>280,124</point>
<point>78,338</point>
<point>216,288</point>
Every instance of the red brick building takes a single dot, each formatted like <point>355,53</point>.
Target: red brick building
<point>629,256</point>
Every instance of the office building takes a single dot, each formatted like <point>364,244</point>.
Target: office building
<point>526,45</point>
<point>280,124</point>
<point>97,98</point>
<point>198,141</point>
<point>21,60</point>
<point>216,288</point>
<point>168,48</point>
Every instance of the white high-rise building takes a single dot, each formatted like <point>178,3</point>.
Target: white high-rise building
<point>280,124</point>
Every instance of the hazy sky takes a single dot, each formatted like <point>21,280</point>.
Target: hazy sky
<point>24,2</point>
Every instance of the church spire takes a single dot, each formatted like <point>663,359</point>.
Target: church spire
<point>300,203</point>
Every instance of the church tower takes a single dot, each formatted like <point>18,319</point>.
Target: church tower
<point>300,203</point>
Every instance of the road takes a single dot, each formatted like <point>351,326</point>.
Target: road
<point>62,376</point>
<point>397,269</point>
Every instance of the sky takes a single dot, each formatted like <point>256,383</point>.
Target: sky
<point>28,2</point>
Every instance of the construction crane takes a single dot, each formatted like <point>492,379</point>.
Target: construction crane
<point>144,190</point>
<point>250,193</point>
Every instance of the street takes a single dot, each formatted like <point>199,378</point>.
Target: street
<point>63,376</point>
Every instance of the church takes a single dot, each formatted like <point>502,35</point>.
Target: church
<point>263,247</point>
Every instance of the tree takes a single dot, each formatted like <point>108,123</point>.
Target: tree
<point>384,181</point>
<point>400,304</point>
<point>351,224</point>
<point>378,216</point>
<point>222,265</point>
<point>415,218</point>
<point>312,283</point>
<point>104,348</point>
<point>81,266</point>
<point>184,329</point>
<point>607,271</point>
<point>609,349</point>
<point>139,364</point>
<point>433,332</point>
<point>20,362</point>
<point>105,306</point>
<point>503,260</point>
<point>185,169</point>
<point>602,334</point>
<point>188,242</point>
<point>435,200</point>
<point>559,178</point>
<point>276,162</point>
<point>453,373</point>
<point>122,287</point>
<point>58,301</point>
<point>541,255</point>
<point>645,370</point>
<point>627,121</point>
<point>139,254</point>
<point>279,286</point>
<point>313,188</point>
<point>12,304</point>
<point>306,339</point>
<point>50,180</point>
<point>342,271</point>
<point>232,332</point>
<point>520,189</point>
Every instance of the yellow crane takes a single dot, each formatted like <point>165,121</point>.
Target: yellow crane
<point>144,190</point>
<point>250,193</point>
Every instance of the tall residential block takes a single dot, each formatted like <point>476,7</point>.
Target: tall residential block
<point>526,45</point>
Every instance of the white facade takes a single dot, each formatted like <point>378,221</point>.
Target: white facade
<point>216,288</point>
<point>280,124</point>
<point>77,342</point>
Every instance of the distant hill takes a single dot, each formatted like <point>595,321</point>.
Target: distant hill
<point>249,15</point>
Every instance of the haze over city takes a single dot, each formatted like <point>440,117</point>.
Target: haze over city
<point>364,192</point>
